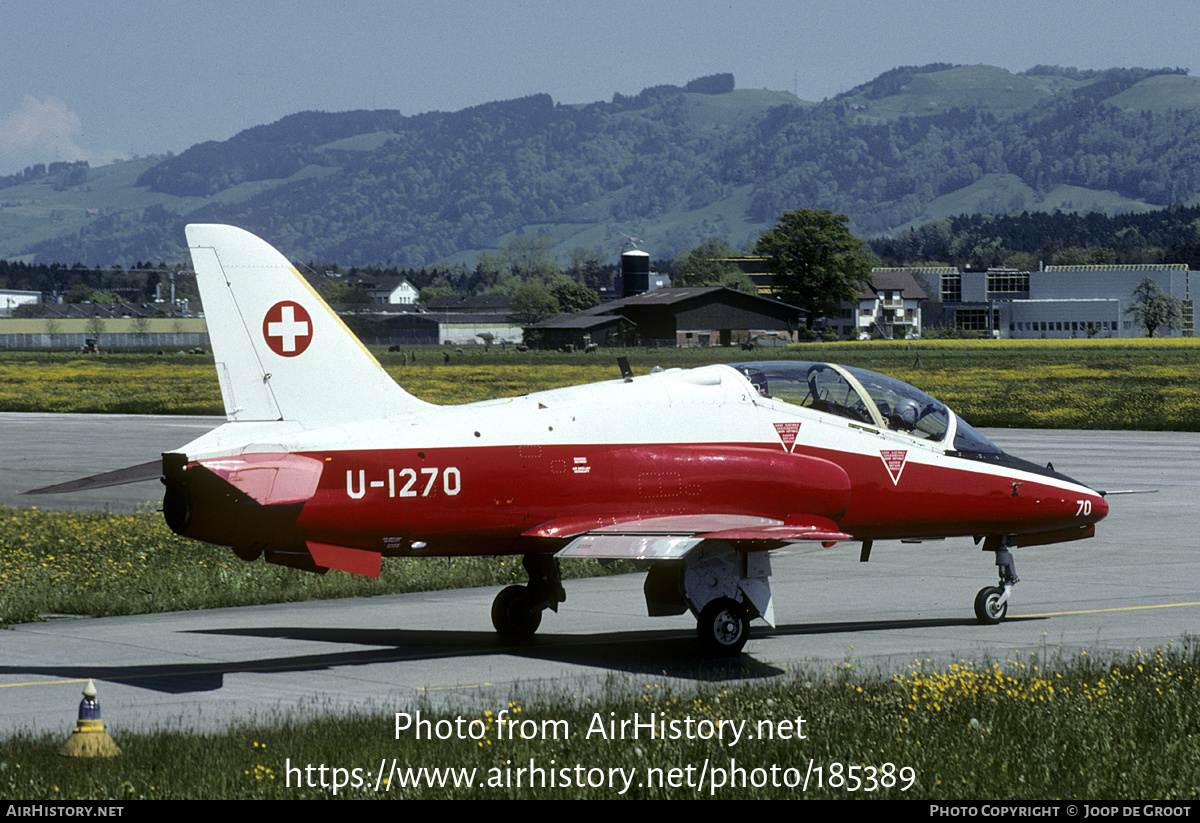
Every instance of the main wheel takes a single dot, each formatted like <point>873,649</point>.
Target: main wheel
<point>988,607</point>
<point>723,627</point>
<point>513,614</point>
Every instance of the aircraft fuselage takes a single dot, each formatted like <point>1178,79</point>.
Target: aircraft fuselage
<point>528,474</point>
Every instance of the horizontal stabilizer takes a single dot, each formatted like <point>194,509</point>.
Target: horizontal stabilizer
<point>132,474</point>
<point>269,479</point>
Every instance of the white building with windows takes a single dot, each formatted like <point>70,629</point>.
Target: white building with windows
<point>12,298</point>
<point>1060,301</point>
<point>888,307</point>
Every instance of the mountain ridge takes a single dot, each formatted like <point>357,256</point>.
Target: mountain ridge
<point>669,165</point>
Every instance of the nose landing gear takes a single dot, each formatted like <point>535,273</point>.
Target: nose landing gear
<point>991,603</point>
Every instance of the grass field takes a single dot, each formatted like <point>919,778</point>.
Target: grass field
<point>1087,384</point>
<point>1038,727</point>
<point>100,564</point>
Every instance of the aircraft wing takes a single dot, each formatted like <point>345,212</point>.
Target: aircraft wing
<point>669,538</point>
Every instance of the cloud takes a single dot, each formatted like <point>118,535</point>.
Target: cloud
<point>41,131</point>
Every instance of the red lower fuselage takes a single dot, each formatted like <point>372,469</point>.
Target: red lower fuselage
<point>519,499</point>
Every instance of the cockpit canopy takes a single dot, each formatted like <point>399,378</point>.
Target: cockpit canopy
<point>866,397</point>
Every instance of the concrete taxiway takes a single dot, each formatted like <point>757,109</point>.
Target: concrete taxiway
<point>1133,586</point>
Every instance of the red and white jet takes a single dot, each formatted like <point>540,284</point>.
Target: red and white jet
<point>326,463</point>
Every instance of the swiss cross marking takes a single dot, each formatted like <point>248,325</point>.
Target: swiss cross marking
<point>787,434</point>
<point>894,459</point>
<point>287,328</point>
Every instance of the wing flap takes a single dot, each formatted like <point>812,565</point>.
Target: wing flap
<point>791,530</point>
<point>630,546</point>
<point>670,524</point>
<point>670,538</point>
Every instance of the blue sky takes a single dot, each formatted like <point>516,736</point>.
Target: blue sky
<point>98,80</point>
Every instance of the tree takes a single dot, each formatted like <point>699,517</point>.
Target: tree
<point>80,293</point>
<point>1153,307</point>
<point>529,257</point>
<point>706,265</point>
<point>337,291</point>
<point>53,329</point>
<point>430,292</point>
<point>587,267</point>
<point>526,258</point>
<point>95,327</point>
<point>572,297</point>
<point>531,303</point>
<point>818,264</point>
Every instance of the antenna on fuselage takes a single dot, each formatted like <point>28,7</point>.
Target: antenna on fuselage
<point>626,372</point>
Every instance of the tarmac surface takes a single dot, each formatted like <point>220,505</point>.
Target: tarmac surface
<point>1136,585</point>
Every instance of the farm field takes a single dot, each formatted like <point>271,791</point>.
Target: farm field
<point>1088,384</point>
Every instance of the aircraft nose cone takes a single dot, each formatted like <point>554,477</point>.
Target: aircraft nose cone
<point>1086,507</point>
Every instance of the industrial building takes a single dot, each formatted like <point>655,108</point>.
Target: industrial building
<point>1059,301</point>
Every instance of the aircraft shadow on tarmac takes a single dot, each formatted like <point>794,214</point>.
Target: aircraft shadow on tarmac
<point>672,653</point>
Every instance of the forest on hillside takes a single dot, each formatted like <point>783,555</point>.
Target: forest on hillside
<point>703,159</point>
<point>1022,241</point>
<point>1029,239</point>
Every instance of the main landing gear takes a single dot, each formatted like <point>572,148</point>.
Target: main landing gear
<point>723,587</point>
<point>517,610</point>
<point>723,627</point>
<point>991,603</point>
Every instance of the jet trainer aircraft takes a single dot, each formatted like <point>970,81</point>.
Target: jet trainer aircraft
<point>326,463</point>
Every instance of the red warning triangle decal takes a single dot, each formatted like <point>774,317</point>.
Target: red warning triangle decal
<point>787,433</point>
<point>894,459</point>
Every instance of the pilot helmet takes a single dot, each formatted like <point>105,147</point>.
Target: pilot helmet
<point>904,414</point>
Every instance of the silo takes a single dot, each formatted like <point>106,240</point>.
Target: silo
<point>635,272</point>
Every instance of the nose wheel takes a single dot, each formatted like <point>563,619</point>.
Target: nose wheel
<point>991,605</point>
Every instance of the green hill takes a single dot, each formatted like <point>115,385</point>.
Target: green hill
<point>671,165</point>
<point>1160,94</point>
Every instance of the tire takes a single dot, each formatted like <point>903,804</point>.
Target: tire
<point>513,616</point>
<point>987,609</point>
<point>723,628</point>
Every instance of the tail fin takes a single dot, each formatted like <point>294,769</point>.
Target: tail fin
<point>281,352</point>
